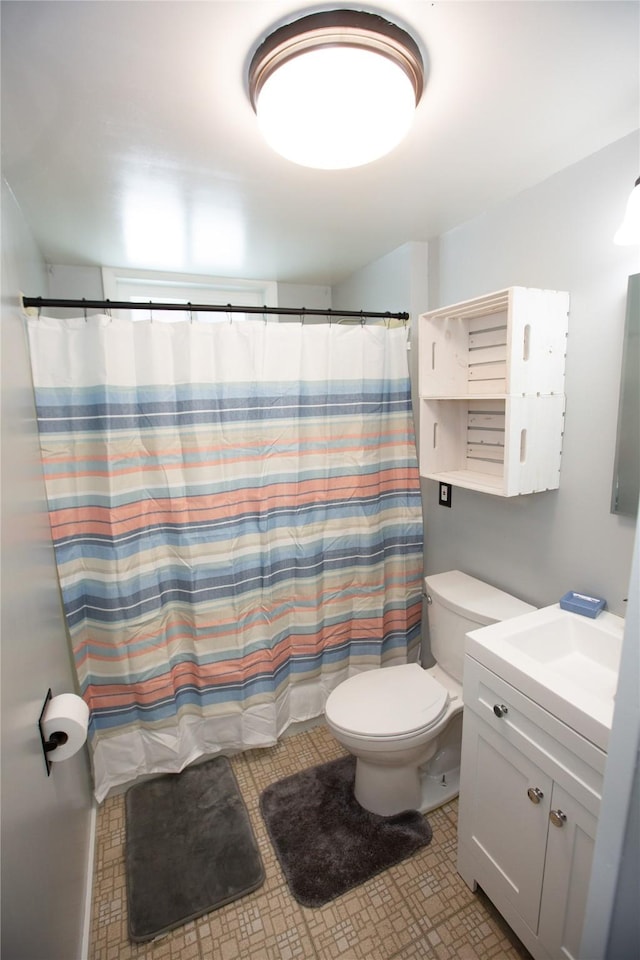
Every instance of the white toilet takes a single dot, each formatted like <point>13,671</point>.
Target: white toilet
<point>404,723</point>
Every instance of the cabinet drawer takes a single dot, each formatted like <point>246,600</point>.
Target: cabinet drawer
<point>562,753</point>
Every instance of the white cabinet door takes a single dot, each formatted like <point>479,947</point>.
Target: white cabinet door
<point>505,825</point>
<point>567,872</point>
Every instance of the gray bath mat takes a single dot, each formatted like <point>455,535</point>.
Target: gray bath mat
<point>325,841</point>
<point>189,848</point>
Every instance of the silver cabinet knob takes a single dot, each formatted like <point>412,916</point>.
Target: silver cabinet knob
<point>500,710</point>
<point>535,794</point>
<point>558,818</point>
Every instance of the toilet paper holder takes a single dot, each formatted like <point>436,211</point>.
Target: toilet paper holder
<point>55,740</point>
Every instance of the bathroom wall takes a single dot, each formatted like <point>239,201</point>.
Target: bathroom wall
<point>396,282</point>
<point>46,821</point>
<point>557,235</point>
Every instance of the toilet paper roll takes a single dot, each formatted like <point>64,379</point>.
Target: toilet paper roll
<point>69,714</point>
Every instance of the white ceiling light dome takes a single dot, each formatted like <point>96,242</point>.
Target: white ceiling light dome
<point>336,89</point>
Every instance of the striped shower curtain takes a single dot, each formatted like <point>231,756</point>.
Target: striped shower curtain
<point>236,518</point>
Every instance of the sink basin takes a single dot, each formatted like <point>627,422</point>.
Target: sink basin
<point>581,651</point>
<point>565,662</point>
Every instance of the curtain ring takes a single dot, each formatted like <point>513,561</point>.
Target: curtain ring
<point>150,311</point>
<point>264,315</point>
<point>229,308</point>
<point>84,309</point>
<point>108,304</point>
<point>329,311</point>
<point>303,315</point>
<point>190,312</point>
<point>361,319</point>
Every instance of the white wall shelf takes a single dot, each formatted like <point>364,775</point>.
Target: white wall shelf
<point>491,384</point>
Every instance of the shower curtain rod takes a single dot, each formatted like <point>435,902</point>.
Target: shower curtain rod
<point>301,312</point>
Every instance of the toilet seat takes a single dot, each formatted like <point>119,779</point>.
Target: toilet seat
<point>387,703</point>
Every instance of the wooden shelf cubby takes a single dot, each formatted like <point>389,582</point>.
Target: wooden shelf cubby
<point>491,385</point>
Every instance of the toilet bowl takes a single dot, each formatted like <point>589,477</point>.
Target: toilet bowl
<point>403,723</point>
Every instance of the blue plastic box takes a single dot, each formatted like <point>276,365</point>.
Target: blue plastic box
<point>580,603</point>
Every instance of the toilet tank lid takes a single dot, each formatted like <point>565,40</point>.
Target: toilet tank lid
<point>474,599</point>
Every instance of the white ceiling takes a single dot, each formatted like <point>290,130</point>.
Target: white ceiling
<point>129,140</point>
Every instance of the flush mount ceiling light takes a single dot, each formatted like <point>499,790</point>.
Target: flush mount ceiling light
<point>628,232</point>
<point>336,89</point>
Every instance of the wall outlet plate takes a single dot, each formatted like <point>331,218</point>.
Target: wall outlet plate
<point>444,494</point>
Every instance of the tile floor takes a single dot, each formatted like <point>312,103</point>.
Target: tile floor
<point>418,909</point>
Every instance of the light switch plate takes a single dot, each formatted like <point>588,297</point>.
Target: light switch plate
<point>444,494</point>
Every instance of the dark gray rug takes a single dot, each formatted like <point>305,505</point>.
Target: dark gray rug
<point>189,847</point>
<point>325,841</point>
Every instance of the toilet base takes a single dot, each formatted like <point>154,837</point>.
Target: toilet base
<point>388,791</point>
<point>429,777</point>
<point>435,791</point>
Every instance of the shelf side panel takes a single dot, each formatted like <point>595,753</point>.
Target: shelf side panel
<point>535,426</point>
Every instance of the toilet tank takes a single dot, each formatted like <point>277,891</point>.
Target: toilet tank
<point>458,603</point>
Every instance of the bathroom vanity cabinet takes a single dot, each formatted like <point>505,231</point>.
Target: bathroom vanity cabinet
<point>530,792</point>
<point>491,385</point>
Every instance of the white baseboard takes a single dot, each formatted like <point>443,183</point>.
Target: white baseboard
<point>88,888</point>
